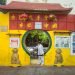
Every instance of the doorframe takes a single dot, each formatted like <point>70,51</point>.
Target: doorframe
<point>24,45</point>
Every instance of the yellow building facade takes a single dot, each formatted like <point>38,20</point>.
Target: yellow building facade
<point>49,57</point>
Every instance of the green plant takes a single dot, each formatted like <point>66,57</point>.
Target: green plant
<point>2,2</point>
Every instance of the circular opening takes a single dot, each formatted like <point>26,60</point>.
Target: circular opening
<point>31,38</point>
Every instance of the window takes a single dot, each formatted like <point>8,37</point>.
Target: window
<point>73,43</point>
<point>62,41</point>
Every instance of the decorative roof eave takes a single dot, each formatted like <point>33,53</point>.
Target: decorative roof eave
<point>34,7</point>
<point>37,11</point>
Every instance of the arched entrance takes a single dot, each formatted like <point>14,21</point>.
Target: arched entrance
<point>29,42</point>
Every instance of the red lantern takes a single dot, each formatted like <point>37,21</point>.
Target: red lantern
<point>24,17</point>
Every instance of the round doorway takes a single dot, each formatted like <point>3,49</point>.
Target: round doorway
<point>30,39</point>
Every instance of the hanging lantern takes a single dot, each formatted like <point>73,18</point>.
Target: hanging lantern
<point>52,17</point>
<point>24,17</point>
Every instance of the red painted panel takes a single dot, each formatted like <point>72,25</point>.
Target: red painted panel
<point>70,26</point>
<point>62,18</point>
<point>13,25</point>
<point>37,17</point>
<point>70,18</point>
<point>62,25</point>
<point>64,22</point>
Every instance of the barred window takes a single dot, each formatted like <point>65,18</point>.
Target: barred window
<point>62,41</point>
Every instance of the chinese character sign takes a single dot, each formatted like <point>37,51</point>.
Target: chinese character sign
<point>14,42</point>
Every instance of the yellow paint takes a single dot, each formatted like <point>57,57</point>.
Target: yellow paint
<point>51,16</point>
<point>23,19</point>
<point>20,18</point>
<point>46,25</point>
<point>38,17</point>
<point>13,17</point>
<point>4,19</point>
<point>46,17</point>
<point>21,25</point>
<point>6,51</point>
<point>54,25</point>
<point>29,25</point>
<point>30,17</point>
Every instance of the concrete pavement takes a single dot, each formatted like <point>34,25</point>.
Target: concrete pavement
<point>37,70</point>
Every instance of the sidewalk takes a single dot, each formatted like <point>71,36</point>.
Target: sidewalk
<point>37,70</point>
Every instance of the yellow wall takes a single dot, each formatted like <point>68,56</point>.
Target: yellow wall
<point>68,59</point>
<point>6,51</point>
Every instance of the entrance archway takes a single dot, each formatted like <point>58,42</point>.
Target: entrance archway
<point>30,39</point>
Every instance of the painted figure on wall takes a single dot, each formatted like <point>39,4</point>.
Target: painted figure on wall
<point>15,57</point>
<point>58,57</point>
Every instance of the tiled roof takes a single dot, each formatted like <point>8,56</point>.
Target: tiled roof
<point>34,6</point>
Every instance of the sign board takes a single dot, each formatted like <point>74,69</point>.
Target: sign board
<point>3,28</point>
<point>62,41</point>
<point>14,42</point>
<point>73,43</point>
<point>38,25</point>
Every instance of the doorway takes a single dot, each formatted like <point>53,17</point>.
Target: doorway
<point>29,42</point>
